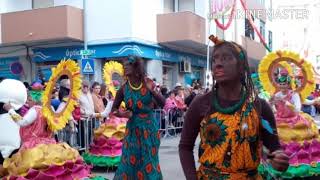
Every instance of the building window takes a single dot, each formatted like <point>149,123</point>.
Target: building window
<point>168,74</point>
<point>263,29</point>
<point>168,6</point>
<point>186,5</point>
<point>42,4</point>
<point>249,31</point>
<point>270,40</point>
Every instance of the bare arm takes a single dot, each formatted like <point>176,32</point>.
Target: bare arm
<point>160,100</point>
<point>118,99</point>
<point>27,119</point>
<point>189,135</point>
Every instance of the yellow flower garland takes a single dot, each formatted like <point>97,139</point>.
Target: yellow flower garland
<point>58,121</point>
<point>271,60</point>
<point>110,68</point>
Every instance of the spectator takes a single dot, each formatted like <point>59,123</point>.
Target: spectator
<point>170,102</point>
<point>97,99</point>
<point>180,99</point>
<point>178,86</point>
<point>164,91</point>
<point>86,101</point>
<point>193,94</point>
<point>63,97</point>
<point>55,102</point>
<point>104,93</point>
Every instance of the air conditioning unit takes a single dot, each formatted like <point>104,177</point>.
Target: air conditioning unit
<point>185,66</point>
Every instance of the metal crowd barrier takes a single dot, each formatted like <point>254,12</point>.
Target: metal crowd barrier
<point>169,124</point>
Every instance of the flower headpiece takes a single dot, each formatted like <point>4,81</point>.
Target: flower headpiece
<point>217,41</point>
<point>284,76</point>
<point>36,91</point>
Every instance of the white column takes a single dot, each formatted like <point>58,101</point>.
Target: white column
<point>154,69</point>
<point>98,70</point>
<point>28,69</point>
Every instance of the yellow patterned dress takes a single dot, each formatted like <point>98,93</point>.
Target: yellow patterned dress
<point>230,147</point>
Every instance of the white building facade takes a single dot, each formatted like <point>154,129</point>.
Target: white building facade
<point>37,34</point>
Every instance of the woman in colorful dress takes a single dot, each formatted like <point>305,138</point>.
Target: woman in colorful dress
<point>232,121</point>
<point>142,140</point>
<point>40,157</point>
<point>298,133</point>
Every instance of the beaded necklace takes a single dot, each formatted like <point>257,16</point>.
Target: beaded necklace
<point>231,109</point>
<point>135,88</point>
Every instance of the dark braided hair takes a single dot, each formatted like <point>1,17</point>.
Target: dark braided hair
<point>242,60</point>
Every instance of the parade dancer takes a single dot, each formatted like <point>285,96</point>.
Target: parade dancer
<point>142,140</point>
<point>232,121</point>
<point>298,133</point>
<point>40,156</point>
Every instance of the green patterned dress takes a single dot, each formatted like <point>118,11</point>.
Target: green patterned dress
<point>142,140</point>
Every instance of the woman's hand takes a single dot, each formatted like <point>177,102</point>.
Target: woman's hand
<point>149,83</point>
<point>279,160</point>
<point>123,114</point>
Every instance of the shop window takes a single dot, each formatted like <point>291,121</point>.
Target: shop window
<point>168,71</point>
<point>249,31</point>
<point>42,4</point>
<point>168,6</point>
<point>186,5</point>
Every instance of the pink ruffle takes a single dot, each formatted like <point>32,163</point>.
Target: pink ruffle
<point>307,153</point>
<point>35,141</point>
<point>69,171</point>
<point>116,120</point>
<point>106,147</point>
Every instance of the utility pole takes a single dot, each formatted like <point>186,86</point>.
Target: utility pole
<point>85,28</point>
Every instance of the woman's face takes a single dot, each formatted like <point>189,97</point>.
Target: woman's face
<point>225,66</point>
<point>128,69</point>
<point>97,89</point>
<point>181,93</point>
<point>283,86</point>
<point>172,95</point>
<point>85,89</point>
<point>30,102</point>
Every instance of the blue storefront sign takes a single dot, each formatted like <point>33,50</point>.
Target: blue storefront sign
<point>122,49</point>
<point>7,68</point>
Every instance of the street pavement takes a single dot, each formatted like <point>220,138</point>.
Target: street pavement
<point>169,161</point>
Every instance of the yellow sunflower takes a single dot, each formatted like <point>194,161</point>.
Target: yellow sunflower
<point>58,121</point>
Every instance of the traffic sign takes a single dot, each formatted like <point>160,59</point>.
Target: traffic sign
<point>87,52</point>
<point>87,66</point>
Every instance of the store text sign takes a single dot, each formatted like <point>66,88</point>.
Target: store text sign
<point>219,7</point>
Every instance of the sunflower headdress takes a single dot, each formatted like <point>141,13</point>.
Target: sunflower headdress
<point>70,68</point>
<point>109,69</point>
<point>272,61</point>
